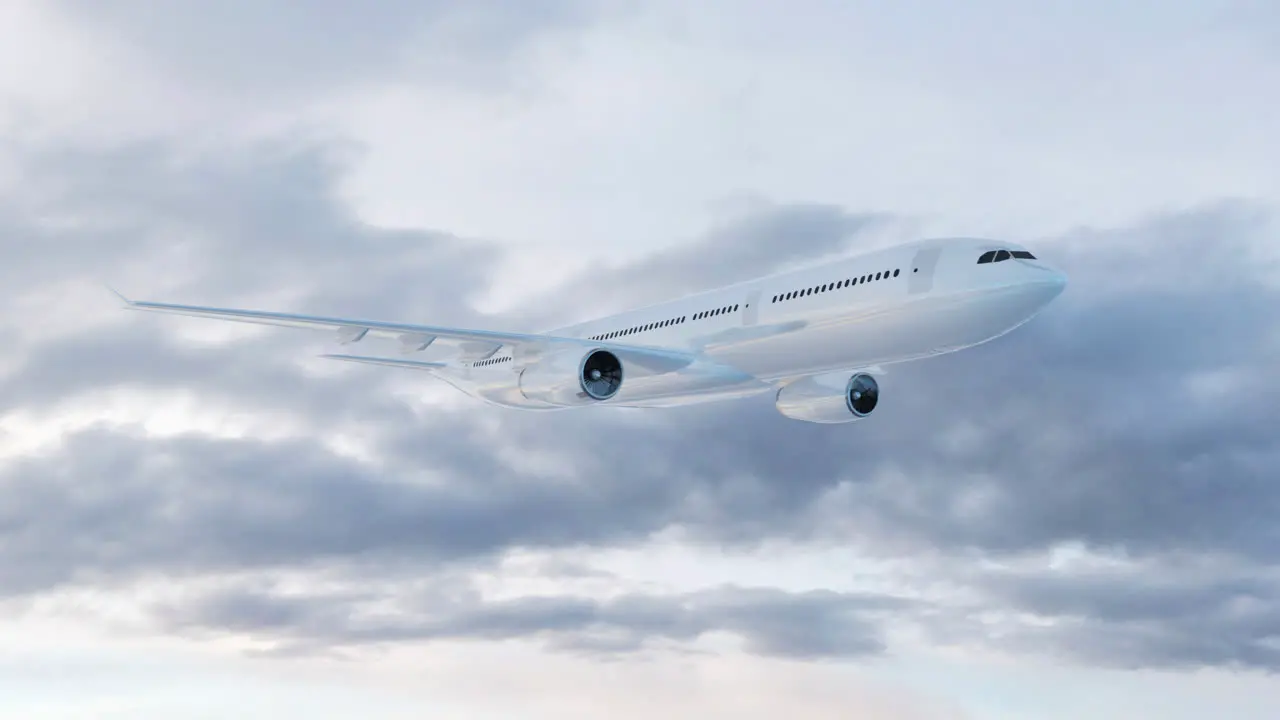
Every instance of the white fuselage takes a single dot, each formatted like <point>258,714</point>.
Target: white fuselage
<point>883,307</point>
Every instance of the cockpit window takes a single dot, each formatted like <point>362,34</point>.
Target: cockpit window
<point>991,256</point>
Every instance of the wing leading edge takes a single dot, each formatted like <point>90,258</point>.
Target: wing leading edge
<point>476,344</point>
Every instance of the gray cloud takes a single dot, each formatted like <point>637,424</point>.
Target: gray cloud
<point>813,625</point>
<point>228,226</point>
<point>1135,415</point>
<point>1162,616</point>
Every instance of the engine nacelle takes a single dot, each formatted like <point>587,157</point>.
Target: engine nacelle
<point>573,378</point>
<point>832,398</point>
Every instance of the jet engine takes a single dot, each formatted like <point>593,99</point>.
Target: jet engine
<point>832,398</point>
<point>573,378</point>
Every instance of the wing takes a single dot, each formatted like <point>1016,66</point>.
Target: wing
<point>475,344</point>
<point>386,361</point>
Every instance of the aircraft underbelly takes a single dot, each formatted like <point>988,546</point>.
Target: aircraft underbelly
<point>703,380</point>
<point>700,382</point>
<point>907,329</point>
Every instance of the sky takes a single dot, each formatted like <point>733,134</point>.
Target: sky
<point>199,521</point>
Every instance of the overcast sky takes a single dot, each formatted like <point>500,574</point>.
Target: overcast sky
<point>198,521</point>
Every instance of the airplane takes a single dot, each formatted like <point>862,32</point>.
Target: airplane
<point>815,338</point>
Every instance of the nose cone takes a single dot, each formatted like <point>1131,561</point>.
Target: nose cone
<point>1045,286</point>
<point>1057,282</point>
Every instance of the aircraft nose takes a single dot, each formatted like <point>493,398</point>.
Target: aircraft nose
<point>1058,279</point>
<point>1048,285</point>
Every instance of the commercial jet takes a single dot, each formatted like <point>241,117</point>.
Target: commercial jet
<point>814,338</point>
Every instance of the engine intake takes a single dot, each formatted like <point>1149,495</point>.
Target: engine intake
<point>862,394</point>
<point>832,398</point>
<point>601,374</point>
<point>569,378</point>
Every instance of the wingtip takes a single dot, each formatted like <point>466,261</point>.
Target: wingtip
<point>117,293</point>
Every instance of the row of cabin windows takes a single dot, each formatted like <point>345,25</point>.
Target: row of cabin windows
<point>991,256</point>
<point>665,323</point>
<point>491,361</point>
<point>717,311</point>
<point>835,285</point>
<point>640,328</point>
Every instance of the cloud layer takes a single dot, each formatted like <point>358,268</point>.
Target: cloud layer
<point>1134,419</point>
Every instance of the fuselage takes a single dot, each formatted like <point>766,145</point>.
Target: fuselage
<point>882,307</point>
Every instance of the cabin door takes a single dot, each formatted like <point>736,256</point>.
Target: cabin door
<point>922,267</point>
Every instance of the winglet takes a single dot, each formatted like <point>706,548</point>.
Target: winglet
<point>117,293</point>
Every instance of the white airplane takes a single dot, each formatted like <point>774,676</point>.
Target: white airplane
<point>814,337</point>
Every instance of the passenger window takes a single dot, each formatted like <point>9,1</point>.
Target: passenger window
<point>1001,256</point>
<point>986,257</point>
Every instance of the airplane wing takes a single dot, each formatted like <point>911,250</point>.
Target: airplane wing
<point>476,344</point>
<point>386,361</point>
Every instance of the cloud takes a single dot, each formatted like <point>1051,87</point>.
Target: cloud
<point>809,626</point>
<point>1131,418</point>
<point>1169,615</point>
<point>269,48</point>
